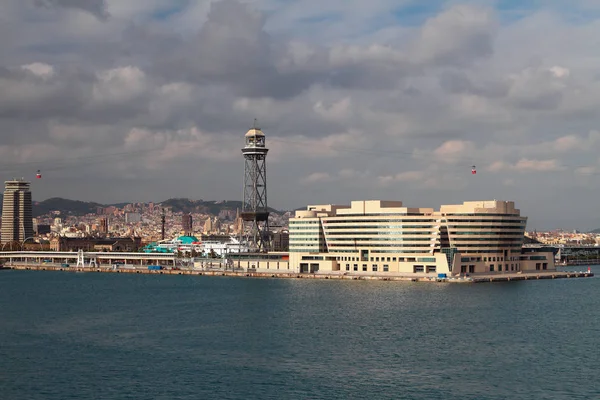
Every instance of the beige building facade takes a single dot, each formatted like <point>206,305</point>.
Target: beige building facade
<point>378,237</point>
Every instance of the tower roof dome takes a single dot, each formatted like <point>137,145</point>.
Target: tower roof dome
<point>254,132</point>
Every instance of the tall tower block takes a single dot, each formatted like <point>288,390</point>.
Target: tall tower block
<point>17,218</point>
<point>254,207</point>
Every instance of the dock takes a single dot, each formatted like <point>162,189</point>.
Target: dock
<point>294,275</point>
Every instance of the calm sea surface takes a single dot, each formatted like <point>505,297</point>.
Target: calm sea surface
<point>117,336</point>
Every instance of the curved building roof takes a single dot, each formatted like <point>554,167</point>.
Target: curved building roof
<point>254,132</point>
<point>187,239</point>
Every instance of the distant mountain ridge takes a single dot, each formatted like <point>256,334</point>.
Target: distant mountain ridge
<point>79,208</point>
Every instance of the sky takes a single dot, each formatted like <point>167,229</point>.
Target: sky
<point>145,100</point>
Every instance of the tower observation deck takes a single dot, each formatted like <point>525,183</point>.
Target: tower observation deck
<point>254,207</point>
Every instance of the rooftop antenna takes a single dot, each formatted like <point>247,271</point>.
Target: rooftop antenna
<point>255,126</point>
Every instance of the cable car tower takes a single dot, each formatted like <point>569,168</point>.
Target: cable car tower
<point>254,206</point>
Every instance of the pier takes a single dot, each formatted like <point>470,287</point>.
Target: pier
<point>294,275</point>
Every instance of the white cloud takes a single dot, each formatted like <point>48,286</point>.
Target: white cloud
<point>316,177</point>
<point>42,70</point>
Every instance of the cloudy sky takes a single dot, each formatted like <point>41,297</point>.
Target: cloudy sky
<point>143,100</point>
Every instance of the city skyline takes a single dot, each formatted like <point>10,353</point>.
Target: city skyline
<point>138,101</point>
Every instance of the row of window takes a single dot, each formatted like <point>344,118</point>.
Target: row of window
<point>374,267</point>
<point>479,215</point>
<point>376,239</point>
<point>486,239</point>
<point>517,232</point>
<point>378,245</point>
<point>382,232</point>
<point>378,227</point>
<point>344,220</point>
<point>482,226</point>
<point>503,221</point>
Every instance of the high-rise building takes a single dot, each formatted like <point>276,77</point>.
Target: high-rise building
<point>186,224</point>
<point>17,219</point>
<point>208,226</point>
<point>103,225</point>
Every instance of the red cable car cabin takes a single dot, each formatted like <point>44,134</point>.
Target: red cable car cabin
<point>473,170</point>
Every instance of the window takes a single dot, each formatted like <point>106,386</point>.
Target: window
<point>364,267</point>
<point>376,258</point>
<point>537,266</point>
<point>374,267</point>
<point>418,268</point>
<point>394,259</point>
<point>545,266</point>
<point>431,268</point>
<point>492,268</point>
<point>463,269</point>
<point>471,269</point>
<point>356,267</point>
<point>388,259</point>
<point>386,268</point>
<point>347,267</point>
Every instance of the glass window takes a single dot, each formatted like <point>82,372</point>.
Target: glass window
<point>386,268</point>
<point>364,267</point>
<point>374,267</point>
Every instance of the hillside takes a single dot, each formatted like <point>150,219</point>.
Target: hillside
<point>208,207</point>
<point>78,208</point>
<point>65,206</point>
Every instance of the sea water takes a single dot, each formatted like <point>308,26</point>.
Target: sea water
<point>67,335</point>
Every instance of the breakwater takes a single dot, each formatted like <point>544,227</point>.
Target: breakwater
<point>295,275</point>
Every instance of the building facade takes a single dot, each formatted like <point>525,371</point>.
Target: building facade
<point>62,243</point>
<point>386,237</point>
<point>186,224</point>
<point>17,216</point>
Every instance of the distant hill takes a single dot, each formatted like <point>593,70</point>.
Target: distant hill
<point>207,207</point>
<point>78,208</point>
<point>595,231</point>
<point>65,206</point>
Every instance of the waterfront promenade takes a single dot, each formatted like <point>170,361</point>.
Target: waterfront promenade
<point>294,275</point>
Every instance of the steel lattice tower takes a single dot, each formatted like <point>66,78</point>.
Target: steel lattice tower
<point>254,207</point>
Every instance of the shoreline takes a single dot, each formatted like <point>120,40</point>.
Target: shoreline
<point>294,275</point>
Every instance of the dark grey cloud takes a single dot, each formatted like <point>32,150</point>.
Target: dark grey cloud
<point>458,82</point>
<point>95,7</point>
<point>28,96</point>
<point>231,48</point>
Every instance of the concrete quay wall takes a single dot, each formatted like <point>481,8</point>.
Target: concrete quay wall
<point>294,275</point>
